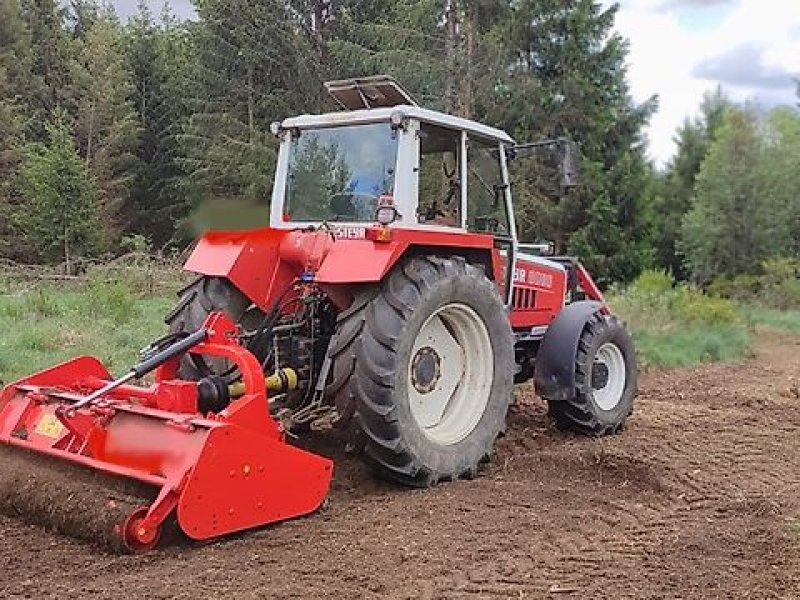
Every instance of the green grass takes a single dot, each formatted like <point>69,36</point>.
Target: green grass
<point>678,325</point>
<point>788,320</point>
<point>49,324</point>
<point>111,319</point>
<point>693,345</point>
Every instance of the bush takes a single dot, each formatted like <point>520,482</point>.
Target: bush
<point>653,283</point>
<point>776,286</point>
<point>692,305</point>
<point>676,325</point>
<point>741,288</point>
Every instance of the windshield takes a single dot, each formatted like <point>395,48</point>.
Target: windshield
<point>338,174</point>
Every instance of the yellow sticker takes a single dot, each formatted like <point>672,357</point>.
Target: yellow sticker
<point>49,426</point>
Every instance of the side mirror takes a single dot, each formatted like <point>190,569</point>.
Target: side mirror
<point>568,163</point>
<point>566,152</point>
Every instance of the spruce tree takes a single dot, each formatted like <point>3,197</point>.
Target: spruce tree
<point>58,217</point>
<point>106,127</point>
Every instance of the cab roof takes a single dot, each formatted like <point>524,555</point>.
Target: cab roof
<point>379,115</point>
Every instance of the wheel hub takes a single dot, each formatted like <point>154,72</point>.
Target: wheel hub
<point>450,373</point>
<point>608,376</point>
<point>426,370</point>
<point>599,375</point>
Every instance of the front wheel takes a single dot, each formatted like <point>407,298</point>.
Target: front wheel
<point>605,380</point>
<point>431,375</point>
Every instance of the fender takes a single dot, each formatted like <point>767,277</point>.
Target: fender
<point>249,259</point>
<point>358,261</point>
<point>554,376</point>
<point>368,260</point>
<point>263,263</point>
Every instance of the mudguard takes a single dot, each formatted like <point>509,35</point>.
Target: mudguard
<point>263,263</point>
<point>554,376</point>
<point>359,261</point>
<point>249,259</point>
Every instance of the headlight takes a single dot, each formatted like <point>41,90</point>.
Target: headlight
<point>386,214</point>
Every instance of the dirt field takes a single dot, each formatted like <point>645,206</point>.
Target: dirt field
<point>698,498</point>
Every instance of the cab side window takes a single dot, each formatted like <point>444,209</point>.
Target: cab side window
<point>439,176</point>
<point>486,205</point>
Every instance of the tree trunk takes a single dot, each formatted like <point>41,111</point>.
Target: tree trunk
<point>468,94</point>
<point>319,30</point>
<point>251,126</point>
<point>89,136</point>
<point>451,47</point>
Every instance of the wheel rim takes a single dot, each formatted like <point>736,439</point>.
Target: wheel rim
<point>450,373</point>
<point>608,376</point>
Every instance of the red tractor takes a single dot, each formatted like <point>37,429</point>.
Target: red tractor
<point>390,282</point>
<point>388,297</point>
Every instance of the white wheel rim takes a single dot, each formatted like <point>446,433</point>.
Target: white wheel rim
<point>608,388</point>
<point>450,373</point>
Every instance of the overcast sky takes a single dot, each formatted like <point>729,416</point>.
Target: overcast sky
<point>682,48</point>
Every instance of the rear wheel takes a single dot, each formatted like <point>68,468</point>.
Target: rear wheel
<point>429,363</point>
<point>197,300</point>
<point>605,379</point>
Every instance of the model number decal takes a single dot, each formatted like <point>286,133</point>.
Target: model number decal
<point>349,232</point>
<point>535,278</point>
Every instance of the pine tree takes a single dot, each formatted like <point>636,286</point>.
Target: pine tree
<point>58,218</point>
<point>15,63</point>
<point>50,82</point>
<point>160,59</point>
<point>567,77</point>
<point>253,67</point>
<point>106,127</point>
<point>403,39</point>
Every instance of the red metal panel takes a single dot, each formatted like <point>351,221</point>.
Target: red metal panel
<point>364,260</point>
<point>249,259</point>
<point>540,292</point>
<point>243,480</point>
<point>352,261</point>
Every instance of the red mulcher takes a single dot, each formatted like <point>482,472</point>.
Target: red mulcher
<point>219,472</point>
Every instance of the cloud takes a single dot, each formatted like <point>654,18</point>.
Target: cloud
<point>673,4</point>
<point>680,49</point>
<point>743,66</point>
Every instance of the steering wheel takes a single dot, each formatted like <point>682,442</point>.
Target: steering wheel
<point>344,204</point>
<point>489,224</point>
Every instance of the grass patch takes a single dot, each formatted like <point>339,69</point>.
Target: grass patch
<point>49,324</point>
<point>794,528</point>
<point>690,346</point>
<point>788,320</point>
<point>678,325</point>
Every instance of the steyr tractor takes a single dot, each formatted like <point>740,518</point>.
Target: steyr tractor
<point>388,298</point>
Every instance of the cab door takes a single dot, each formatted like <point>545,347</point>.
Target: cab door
<point>488,202</point>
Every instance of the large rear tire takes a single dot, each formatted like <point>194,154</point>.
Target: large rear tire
<point>605,379</point>
<point>197,300</point>
<point>426,367</point>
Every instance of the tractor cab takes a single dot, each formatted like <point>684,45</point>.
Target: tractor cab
<point>385,159</point>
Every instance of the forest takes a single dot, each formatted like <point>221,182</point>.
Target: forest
<point>130,135</point>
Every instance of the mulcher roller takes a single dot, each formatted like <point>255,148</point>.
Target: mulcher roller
<point>111,462</point>
<point>72,500</point>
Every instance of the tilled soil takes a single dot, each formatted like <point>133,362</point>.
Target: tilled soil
<point>698,498</point>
